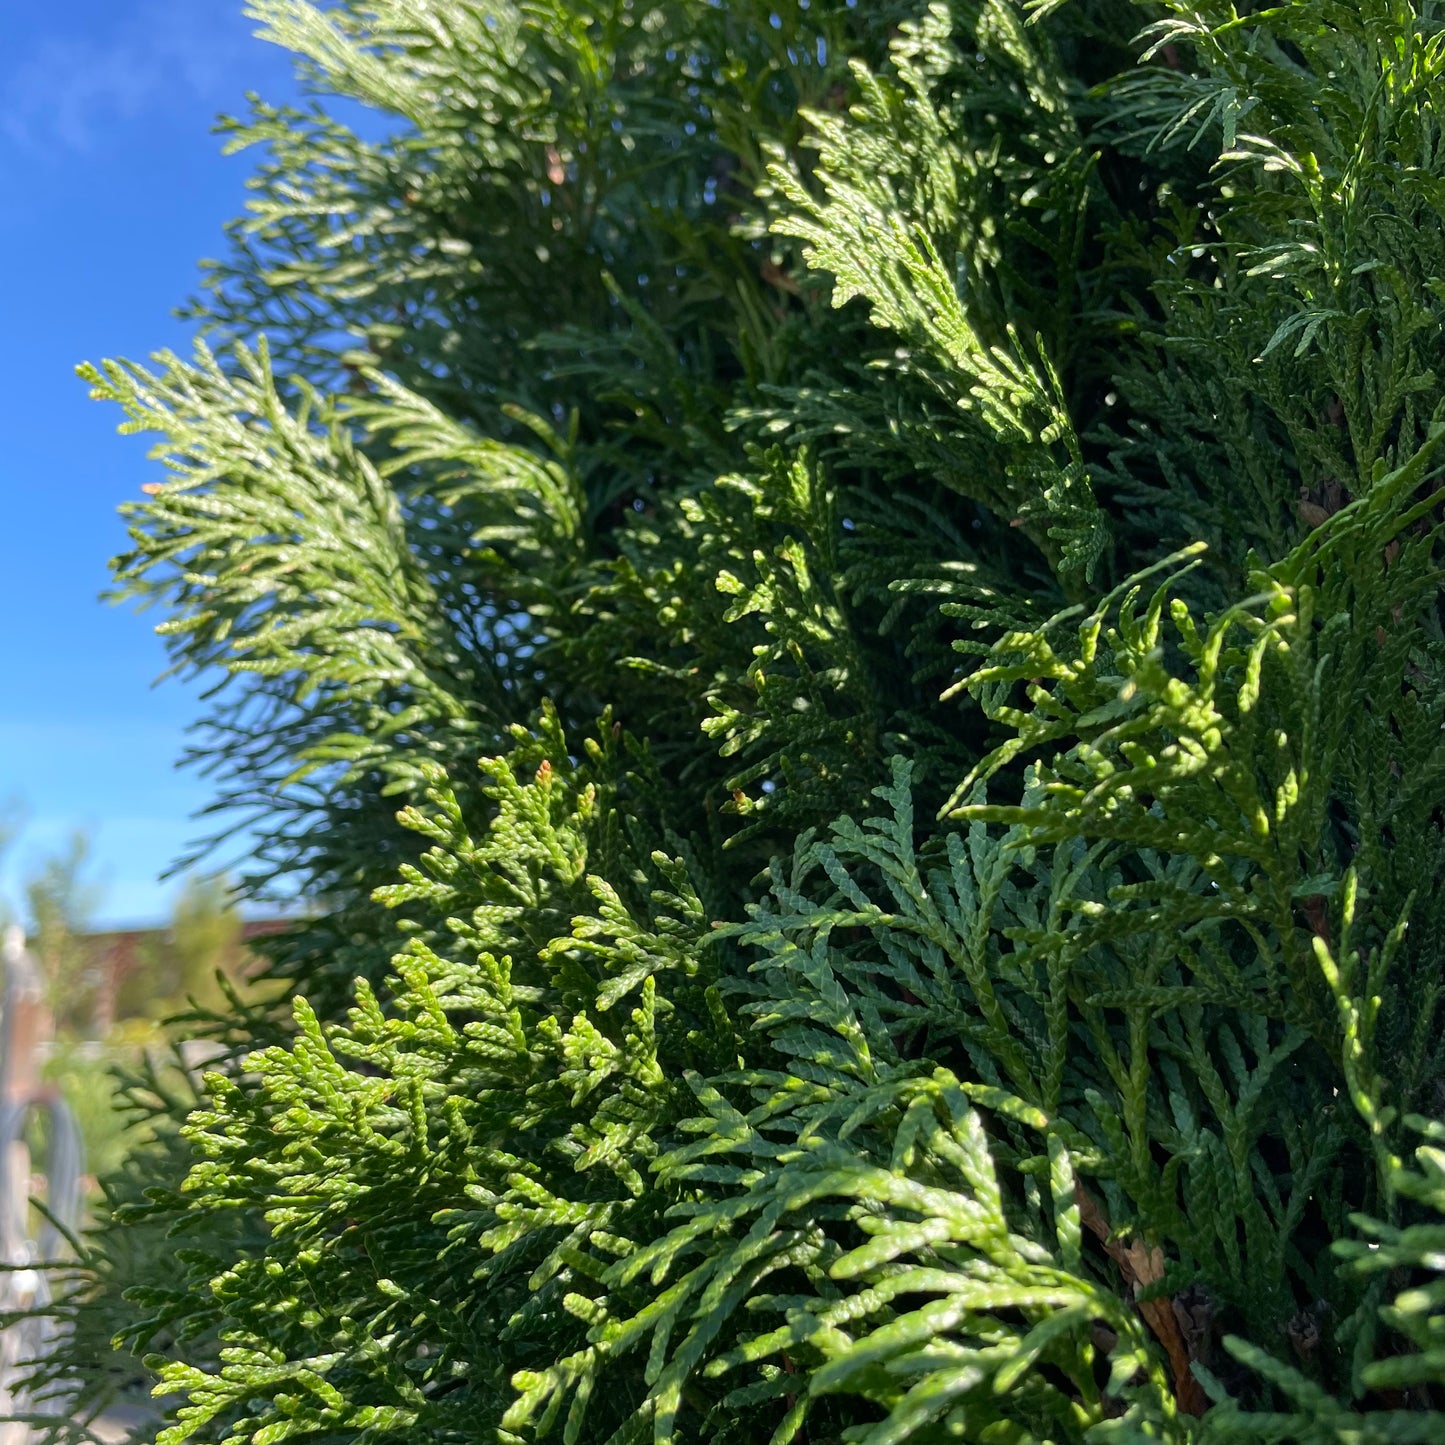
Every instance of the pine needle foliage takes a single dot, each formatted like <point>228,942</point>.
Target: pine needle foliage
<point>836,609</point>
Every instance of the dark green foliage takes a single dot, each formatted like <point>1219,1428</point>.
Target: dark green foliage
<point>927,517</point>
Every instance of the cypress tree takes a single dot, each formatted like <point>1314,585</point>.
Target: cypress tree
<point>836,610</point>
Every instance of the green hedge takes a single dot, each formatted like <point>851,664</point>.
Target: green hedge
<point>888,557</point>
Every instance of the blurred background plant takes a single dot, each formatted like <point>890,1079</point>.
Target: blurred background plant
<point>118,996</point>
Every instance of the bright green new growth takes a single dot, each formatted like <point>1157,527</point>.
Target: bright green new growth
<point>837,608</point>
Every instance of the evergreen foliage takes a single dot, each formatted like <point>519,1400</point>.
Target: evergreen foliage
<point>928,517</point>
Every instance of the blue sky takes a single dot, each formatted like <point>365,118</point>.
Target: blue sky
<point>114,189</point>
